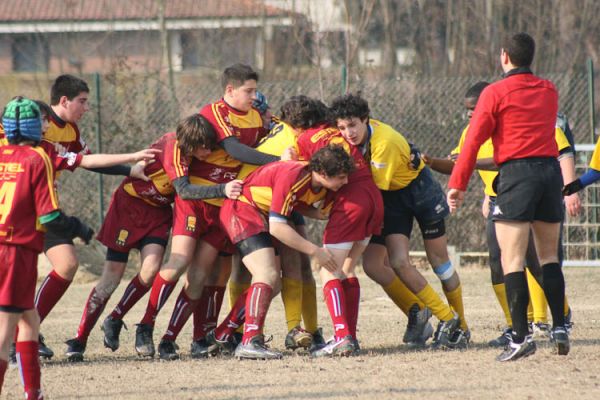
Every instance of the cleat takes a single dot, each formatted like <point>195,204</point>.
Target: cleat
<point>167,350</point>
<point>44,351</point>
<point>75,350</point>
<point>201,349</point>
<point>444,332</point>
<point>569,321</point>
<point>502,340</point>
<point>144,345</point>
<point>112,329</point>
<point>318,341</point>
<point>513,351</point>
<point>12,355</point>
<point>460,339</point>
<point>343,347</point>
<point>256,349</point>
<point>560,337</point>
<point>539,329</point>
<point>357,348</point>
<point>418,328</point>
<point>298,338</point>
<point>227,346</point>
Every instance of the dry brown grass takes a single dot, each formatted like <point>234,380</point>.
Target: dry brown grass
<point>385,370</point>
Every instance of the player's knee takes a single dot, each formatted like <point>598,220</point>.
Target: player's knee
<point>444,271</point>
<point>400,262</point>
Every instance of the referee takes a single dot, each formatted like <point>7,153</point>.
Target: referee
<point>519,112</point>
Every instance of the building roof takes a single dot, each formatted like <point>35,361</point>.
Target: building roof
<point>119,10</point>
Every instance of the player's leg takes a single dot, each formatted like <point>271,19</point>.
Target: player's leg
<point>182,250</point>
<point>61,254</point>
<point>199,270</point>
<point>206,313</point>
<point>537,297</point>
<point>27,353</point>
<point>309,293</point>
<point>113,270</point>
<point>8,324</point>
<point>258,254</point>
<point>151,259</point>
<point>239,283</point>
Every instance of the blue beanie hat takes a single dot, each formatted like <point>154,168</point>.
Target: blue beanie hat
<point>22,121</point>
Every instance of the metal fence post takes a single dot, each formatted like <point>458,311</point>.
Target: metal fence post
<point>591,97</point>
<point>99,149</point>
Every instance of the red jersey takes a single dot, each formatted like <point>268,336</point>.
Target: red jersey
<point>519,113</point>
<point>66,134</point>
<point>167,166</point>
<point>279,186</point>
<point>26,193</point>
<point>227,122</point>
<point>314,139</point>
<point>61,160</point>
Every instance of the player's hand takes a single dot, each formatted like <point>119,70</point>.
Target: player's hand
<point>455,199</point>
<point>289,154</point>
<point>137,171</point>
<point>233,189</point>
<point>415,157</point>
<point>573,204</point>
<point>146,155</point>
<point>426,159</point>
<point>84,232</point>
<point>325,259</point>
<point>572,187</point>
<point>453,157</point>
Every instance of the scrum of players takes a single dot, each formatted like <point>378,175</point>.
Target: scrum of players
<point>231,188</point>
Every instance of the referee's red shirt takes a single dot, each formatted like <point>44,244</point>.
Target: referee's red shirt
<point>519,112</point>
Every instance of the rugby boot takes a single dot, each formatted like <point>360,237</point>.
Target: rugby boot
<point>44,351</point>
<point>226,346</point>
<point>560,337</point>
<point>502,340</point>
<point>460,340</point>
<point>75,350</point>
<point>112,330</point>
<point>513,351</point>
<point>318,341</point>
<point>144,344</point>
<point>343,347</point>
<point>445,331</point>
<point>298,338</point>
<point>167,350</point>
<point>201,349</point>
<point>540,329</point>
<point>569,321</point>
<point>418,328</point>
<point>256,349</point>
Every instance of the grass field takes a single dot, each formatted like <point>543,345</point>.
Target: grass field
<point>384,370</point>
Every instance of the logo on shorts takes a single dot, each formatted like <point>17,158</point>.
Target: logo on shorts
<point>439,209</point>
<point>122,238</point>
<point>190,223</point>
<point>497,210</point>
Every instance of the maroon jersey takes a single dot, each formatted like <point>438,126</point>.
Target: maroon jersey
<point>314,139</point>
<point>167,166</point>
<point>26,193</point>
<point>278,187</point>
<point>61,160</point>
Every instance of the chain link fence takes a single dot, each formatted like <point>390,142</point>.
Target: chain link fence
<point>128,112</point>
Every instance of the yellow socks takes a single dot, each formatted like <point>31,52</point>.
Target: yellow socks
<point>455,300</point>
<point>432,300</point>
<point>538,299</point>
<point>500,291</point>
<point>291,294</point>
<point>309,306</point>
<point>402,296</point>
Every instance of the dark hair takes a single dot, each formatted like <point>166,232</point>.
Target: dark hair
<point>331,160</point>
<point>349,106</point>
<point>475,91</point>
<point>303,112</point>
<point>195,131</point>
<point>67,85</point>
<point>520,49</point>
<point>237,74</point>
<point>44,108</point>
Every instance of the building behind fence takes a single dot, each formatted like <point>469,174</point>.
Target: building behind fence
<point>130,111</point>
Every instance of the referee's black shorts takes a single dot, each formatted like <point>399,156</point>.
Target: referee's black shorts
<point>529,189</point>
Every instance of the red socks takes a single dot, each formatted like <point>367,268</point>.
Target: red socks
<point>92,311</point>
<point>335,299</point>
<point>352,291</point>
<point>3,367</point>
<point>49,293</point>
<point>134,292</point>
<point>29,367</point>
<point>207,310</point>
<point>184,306</point>
<point>257,305</point>
<point>161,290</point>
<point>234,319</point>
